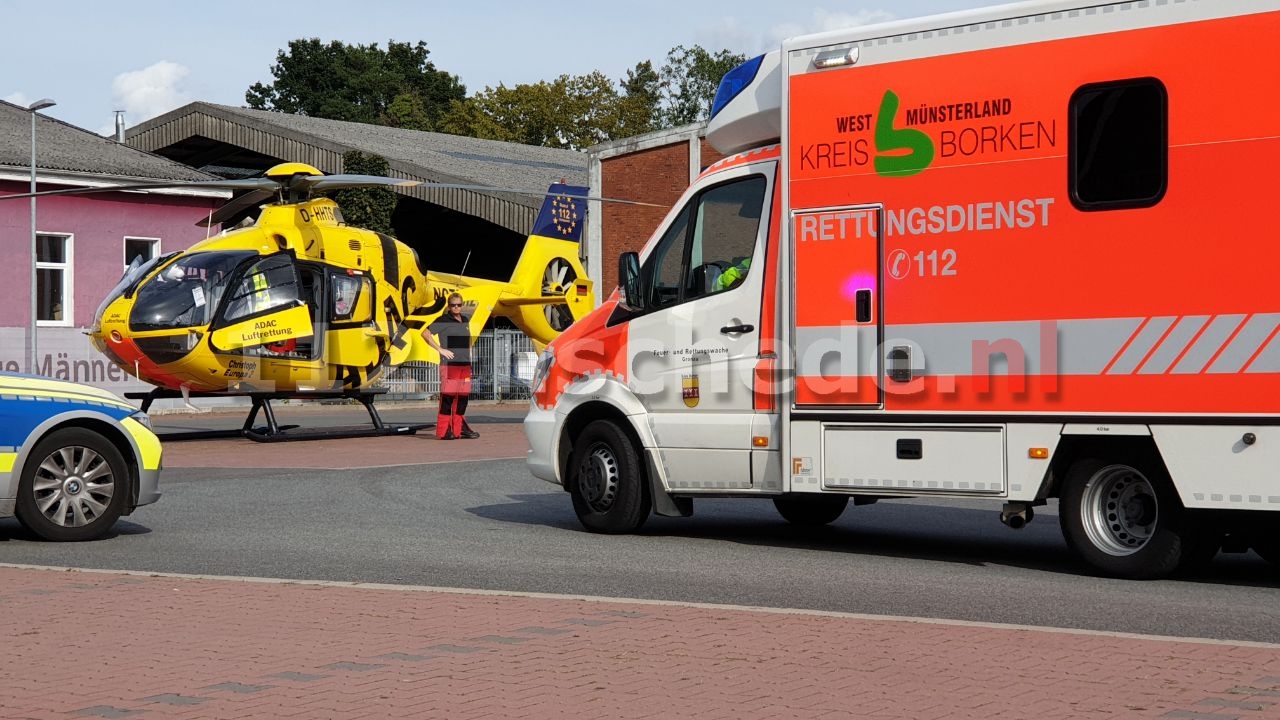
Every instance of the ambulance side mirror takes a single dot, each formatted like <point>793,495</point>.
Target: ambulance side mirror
<point>629,281</point>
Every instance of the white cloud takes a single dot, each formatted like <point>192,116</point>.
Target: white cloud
<point>824,20</point>
<point>742,37</point>
<point>144,94</point>
<point>827,20</point>
<point>19,98</point>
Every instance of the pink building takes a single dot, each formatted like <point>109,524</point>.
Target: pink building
<point>84,242</point>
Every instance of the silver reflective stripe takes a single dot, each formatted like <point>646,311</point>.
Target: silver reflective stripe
<point>1141,345</point>
<point>1084,346</point>
<point>1208,345</point>
<point>840,351</point>
<point>1268,360</point>
<point>1257,330</point>
<point>1173,345</point>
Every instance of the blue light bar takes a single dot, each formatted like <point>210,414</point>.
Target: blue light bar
<point>734,82</point>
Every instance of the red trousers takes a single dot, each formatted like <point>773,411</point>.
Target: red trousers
<point>455,388</point>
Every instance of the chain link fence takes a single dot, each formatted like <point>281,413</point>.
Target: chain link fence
<point>502,364</point>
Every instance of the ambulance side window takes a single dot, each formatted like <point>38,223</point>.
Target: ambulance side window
<point>724,236</point>
<point>665,267</point>
<point>1119,144</point>
<point>708,248</point>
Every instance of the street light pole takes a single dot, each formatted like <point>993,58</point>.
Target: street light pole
<point>33,108</point>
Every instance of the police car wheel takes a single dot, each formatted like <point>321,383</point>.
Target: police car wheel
<point>1124,518</point>
<point>608,485</point>
<point>73,486</point>
<point>810,510</point>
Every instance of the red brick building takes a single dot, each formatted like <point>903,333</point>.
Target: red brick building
<point>652,168</point>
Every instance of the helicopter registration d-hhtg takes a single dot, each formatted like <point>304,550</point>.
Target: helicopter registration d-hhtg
<point>299,303</point>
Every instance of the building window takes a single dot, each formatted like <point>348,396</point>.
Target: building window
<point>140,249</point>
<point>53,280</point>
<point>1119,144</point>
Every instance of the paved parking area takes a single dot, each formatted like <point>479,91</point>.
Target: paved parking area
<point>496,441</point>
<point>118,645</point>
<point>99,644</point>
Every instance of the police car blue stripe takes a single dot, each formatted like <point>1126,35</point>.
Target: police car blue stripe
<point>20,414</point>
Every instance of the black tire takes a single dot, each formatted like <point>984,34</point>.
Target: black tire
<point>73,486</point>
<point>1124,519</point>
<point>1268,548</point>
<point>608,488</point>
<point>810,510</point>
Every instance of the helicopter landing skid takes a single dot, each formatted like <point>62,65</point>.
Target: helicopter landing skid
<point>273,431</point>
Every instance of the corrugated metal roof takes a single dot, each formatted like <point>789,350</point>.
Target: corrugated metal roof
<point>65,147</point>
<point>413,154</point>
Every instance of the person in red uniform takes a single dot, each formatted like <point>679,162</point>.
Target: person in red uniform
<point>454,346</point>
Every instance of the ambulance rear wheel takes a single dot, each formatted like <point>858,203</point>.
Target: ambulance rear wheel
<point>1124,518</point>
<point>608,484</point>
<point>810,510</point>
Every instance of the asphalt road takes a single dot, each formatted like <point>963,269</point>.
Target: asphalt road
<point>489,524</point>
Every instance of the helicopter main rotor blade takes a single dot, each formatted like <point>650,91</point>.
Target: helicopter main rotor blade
<point>235,206</point>
<point>315,182</point>
<point>335,182</point>
<point>338,182</point>
<point>266,184</point>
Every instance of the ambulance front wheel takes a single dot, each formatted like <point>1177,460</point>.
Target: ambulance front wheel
<point>811,510</point>
<point>1124,518</point>
<point>607,483</point>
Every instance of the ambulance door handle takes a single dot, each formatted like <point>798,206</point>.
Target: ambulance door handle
<point>862,306</point>
<point>736,329</point>
<point>900,364</point>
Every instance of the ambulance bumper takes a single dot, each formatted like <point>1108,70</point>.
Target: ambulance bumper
<point>540,430</point>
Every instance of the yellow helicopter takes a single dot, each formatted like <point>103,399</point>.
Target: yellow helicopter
<point>299,303</point>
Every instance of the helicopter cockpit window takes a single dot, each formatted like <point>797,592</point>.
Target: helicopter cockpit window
<point>184,293</point>
<point>352,298</point>
<point>269,284</point>
<point>137,270</point>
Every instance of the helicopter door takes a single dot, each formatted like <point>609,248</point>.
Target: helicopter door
<point>264,313</point>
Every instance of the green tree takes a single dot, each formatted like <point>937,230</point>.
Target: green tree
<point>368,208</point>
<point>359,83</point>
<point>689,82</point>
<point>569,112</point>
<point>580,111</point>
<point>640,105</point>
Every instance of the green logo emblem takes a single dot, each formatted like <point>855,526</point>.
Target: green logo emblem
<point>890,139</point>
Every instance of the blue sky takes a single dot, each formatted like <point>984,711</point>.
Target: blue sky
<point>147,57</point>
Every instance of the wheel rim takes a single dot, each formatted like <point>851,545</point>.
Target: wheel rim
<point>598,478</point>
<point>555,280</point>
<point>73,486</point>
<point>1119,509</point>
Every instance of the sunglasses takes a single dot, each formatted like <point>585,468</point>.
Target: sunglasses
<point>455,304</point>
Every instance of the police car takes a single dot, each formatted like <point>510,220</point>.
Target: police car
<point>73,458</point>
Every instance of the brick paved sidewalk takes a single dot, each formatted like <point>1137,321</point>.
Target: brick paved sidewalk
<point>114,645</point>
